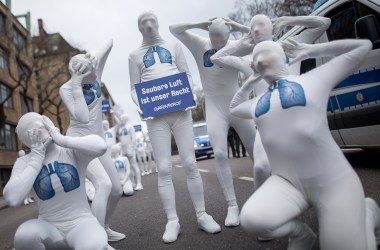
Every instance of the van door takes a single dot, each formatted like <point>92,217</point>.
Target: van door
<point>354,106</point>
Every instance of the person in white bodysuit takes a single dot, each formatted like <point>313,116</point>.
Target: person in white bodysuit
<point>123,169</point>
<point>127,140</point>
<point>308,167</point>
<point>141,156</point>
<point>219,86</point>
<point>90,190</point>
<point>111,133</point>
<point>262,29</point>
<point>170,61</point>
<point>83,99</point>
<point>149,150</point>
<point>54,171</point>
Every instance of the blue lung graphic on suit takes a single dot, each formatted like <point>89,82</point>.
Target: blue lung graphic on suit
<point>67,174</point>
<point>163,54</point>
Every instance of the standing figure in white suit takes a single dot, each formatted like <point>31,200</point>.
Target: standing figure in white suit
<point>83,98</point>
<point>141,156</point>
<point>54,171</point>
<point>308,167</point>
<point>127,138</point>
<point>123,169</point>
<point>149,150</point>
<point>110,134</point>
<point>219,86</point>
<point>157,58</point>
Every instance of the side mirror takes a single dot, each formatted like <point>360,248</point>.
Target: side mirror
<point>367,27</point>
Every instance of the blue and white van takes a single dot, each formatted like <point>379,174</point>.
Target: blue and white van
<point>354,107</point>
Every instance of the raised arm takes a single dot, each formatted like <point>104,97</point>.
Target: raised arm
<point>241,106</point>
<point>315,26</point>
<point>91,145</point>
<point>192,41</point>
<point>101,57</point>
<point>72,95</point>
<point>25,170</point>
<point>231,55</point>
<point>348,55</point>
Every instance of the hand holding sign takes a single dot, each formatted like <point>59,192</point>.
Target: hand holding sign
<point>164,95</point>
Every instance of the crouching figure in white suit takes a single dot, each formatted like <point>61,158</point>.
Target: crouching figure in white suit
<point>308,167</point>
<point>55,172</point>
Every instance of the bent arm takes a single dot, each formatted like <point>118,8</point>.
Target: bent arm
<point>241,105</point>
<point>90,145</point>
<point>182,64</point>
<point>24,174</point>
<point>349,55</point>
<point>135,78</point>
<point>192,41</point>
<point>230,57</point>
<point>315,25</point>
<point>72,96</point>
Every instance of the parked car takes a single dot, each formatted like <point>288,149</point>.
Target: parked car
<point>202,145</point>
<point>353,110</point>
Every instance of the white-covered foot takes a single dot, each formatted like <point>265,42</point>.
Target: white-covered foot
<point>114,236</point>
<point>232,219</point>
<point>172,230</point>
<point>373,217</point>
<point>26,202</point>
<point>110,248</point>
<point>207,224</point>
<point>304,241</point>
<point>139,187</point>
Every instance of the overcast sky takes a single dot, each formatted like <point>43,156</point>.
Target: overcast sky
<point>87,24</point>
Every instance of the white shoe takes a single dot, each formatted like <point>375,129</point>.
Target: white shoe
<point>305,241</point>
<point>30,199</point>
<point>172,230</point>
<point>143,173</point>
<point>232,219</point>
<point>114,236</point>
<point>26,202</point>
<point>207,224</point>
<point>139,187</point>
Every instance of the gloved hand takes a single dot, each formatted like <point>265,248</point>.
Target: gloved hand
<point>37,147</point>
<point>78,73</point>
<point>296,51</point>
<point>57,137</point>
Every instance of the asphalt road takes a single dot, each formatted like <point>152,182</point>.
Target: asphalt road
<point>142,219</point>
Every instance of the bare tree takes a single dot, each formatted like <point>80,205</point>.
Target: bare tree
<point>244,10</point>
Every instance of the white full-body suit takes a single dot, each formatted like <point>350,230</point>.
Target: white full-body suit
<point>83,99</point>
<point>142,157</point>
<point>127,138</point>
<point>28,199</point>
<point>123,169</point>
<point>308,167</point>
<point>262,29</point>
<point>219,86</point>
<point>161,127</point>
<point>55,173</point>
<point>149,150</point>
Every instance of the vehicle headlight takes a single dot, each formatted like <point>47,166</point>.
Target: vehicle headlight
<point>196,145</point>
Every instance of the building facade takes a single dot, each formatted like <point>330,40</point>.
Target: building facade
<point>17,87</point>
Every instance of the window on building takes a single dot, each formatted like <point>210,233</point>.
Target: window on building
<point>3,59</point>
<point>19,40</point>
<point>23,71</point>
<point>26,104</point>
<point>8,138</point>
<point>5,91</point>
<point>2,23</point>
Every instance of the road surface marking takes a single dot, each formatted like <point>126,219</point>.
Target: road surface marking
<point>203,170</point>
<point>246,178</point>
<point>178,166</point>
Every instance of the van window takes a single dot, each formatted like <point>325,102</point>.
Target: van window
<point>343,20</point>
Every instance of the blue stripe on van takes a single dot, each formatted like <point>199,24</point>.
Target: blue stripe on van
<point>360,78</point>
<point>355,98</point>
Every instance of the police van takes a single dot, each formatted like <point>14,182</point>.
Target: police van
<point>353,110</point>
